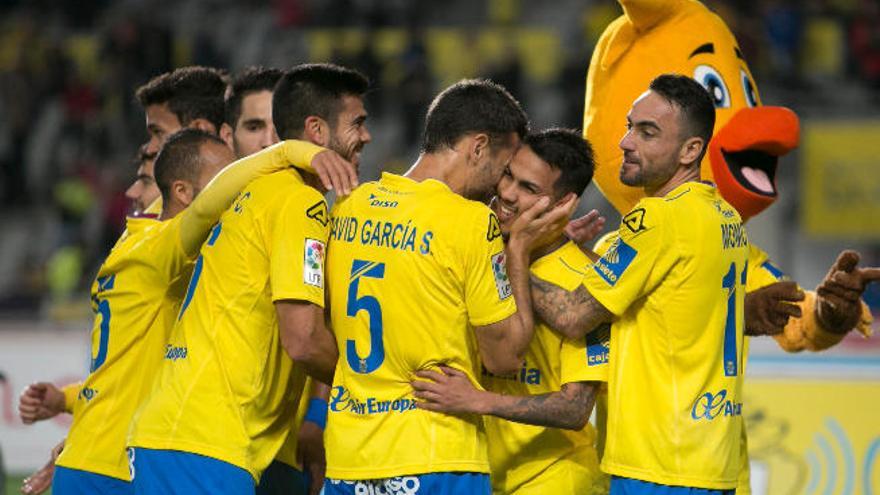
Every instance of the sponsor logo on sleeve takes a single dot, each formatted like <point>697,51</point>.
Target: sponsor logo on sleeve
<point>499,270</point>
<point>635,220</point>
<point>598,345</point>
<point>494,231</point>
<point>313,266</point>
<point>618,258</point>
<point>318,213</point>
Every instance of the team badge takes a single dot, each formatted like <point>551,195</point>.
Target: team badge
<point>635,220</point>
<point>618,258</point>
<point>494,231</point>
<point>318,213</point>
<point>499,269</point>
<point>313,266</point>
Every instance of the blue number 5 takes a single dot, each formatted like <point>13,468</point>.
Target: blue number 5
<point>370,304</point>
<point>102,308</point>
<point>197,271</point>
<point>731,363</point>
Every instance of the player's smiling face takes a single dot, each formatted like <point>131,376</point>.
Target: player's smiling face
<point>254,129</point>
<point>652,143</point>
<point>522,184</point>
<point>351,134</point>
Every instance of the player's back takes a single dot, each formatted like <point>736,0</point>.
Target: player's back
<point>411,268</point>
<point>135,297</point>
<point>675,403</point>
<point>228,389</point>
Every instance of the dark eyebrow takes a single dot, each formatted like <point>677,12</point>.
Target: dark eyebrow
<point>739,54</point>
<point>704,48</point>
<point>254,121</point>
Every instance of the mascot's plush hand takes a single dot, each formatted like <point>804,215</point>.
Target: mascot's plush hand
<point>839,306</point>
<point>768,309</point>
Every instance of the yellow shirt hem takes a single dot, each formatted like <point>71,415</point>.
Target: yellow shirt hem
<point>666,479</point>
<point>408,470</point>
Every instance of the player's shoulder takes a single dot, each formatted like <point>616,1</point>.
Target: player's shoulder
<point>565,267</point>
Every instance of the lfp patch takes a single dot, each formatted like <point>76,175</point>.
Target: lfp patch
<point>615,262</point>
<point>499,269</point>
<point>313,265</point>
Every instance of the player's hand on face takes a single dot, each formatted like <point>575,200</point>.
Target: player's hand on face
<point>335,172</point>
<point>448,391</point>
<point>310,454</point>
<point>541,224</point>
<point>40,401</point>
<point>41,480</point>
<point>768,309</point>
<point>584,230</point>
<point>839,302</point>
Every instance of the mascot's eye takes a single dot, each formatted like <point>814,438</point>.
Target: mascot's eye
<point>748,89</point>
<point>714,84</point>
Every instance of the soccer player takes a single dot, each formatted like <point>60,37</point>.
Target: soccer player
<point>673,282</point>
<point>248,125</point>
<point>252,321</point>
<point>417,279</point>
<point>137,294</point>
<point>559,379</point>
<point>143,191</point>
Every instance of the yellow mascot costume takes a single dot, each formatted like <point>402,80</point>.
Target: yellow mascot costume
<point>654,37</point>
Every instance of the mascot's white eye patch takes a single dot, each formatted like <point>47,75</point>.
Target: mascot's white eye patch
<point>748,89</point>
<point>714,84</point>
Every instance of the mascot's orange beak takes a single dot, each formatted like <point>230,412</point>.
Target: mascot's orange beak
<point>745,152</point>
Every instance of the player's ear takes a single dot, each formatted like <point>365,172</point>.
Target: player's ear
<point>316,130</point>
<point>479,145</point>
<point>690,150</point>
<point>203,125</point>
<point>226,134</point>
<point>182,192</point>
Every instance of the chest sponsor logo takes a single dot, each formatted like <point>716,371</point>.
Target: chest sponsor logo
<point>618,258</point>
<point>341,400</point>
<point>313,265</point>
<point>710,405</point>
<point>528,375</point>
<point>499,271</point>
<point>173,353</point>
<point>598,345</point>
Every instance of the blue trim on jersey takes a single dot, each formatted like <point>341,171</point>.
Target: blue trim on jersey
<point>630,486</point>
<point>770,267</point>
<point>282,479</point>
<point>424,484</point>
<point>67,481</point>
<point>173,472</point>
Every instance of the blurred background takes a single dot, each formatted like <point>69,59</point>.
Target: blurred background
<point>70,126</point>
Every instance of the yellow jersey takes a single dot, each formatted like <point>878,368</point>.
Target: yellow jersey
<point>528,459</point>
<point>675,280</point>
<point>412,268</point>
<point>228,389</point>
<point>135,297</point>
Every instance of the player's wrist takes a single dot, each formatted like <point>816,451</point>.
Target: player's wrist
<point>317,412</point>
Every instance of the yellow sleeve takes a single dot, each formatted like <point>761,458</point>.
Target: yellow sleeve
<point>586,359</point>
<point>70,391</point>
<point>206,209</point>
<point>637,261</point>
<point>297,246</point>
<point>488,295</point>
<point>761,272</point>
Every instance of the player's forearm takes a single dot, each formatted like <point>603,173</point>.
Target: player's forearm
<point>219,194</point>
<point>573,314</point>
<point>518,272</point>
<point>569,408</point>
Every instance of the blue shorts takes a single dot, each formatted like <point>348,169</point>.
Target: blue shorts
<point>431,483</point>
<point>282,479</point>
<point>67,481</point>
<point>630,486</point>
<point>174,472</point>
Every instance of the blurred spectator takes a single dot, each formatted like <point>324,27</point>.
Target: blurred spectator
<point>864,42</point>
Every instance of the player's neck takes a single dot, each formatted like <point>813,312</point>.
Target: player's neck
<point>439,166</point>
<point>681,176</point>
<point>170,210</point>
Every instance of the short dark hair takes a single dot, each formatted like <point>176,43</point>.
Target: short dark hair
<point>565,150</point>
<point>250,80</point>
<point>472,106</point>
<point>180,158</point>
<point>695,104</point>
<point>313,90</point>
<point>191,93</point>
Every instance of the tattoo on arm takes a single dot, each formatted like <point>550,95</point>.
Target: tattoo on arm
<point>573,314</point>
<point>570,408</point>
